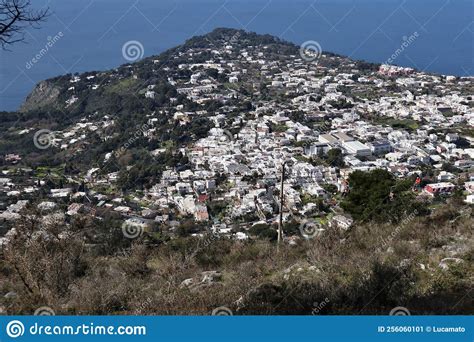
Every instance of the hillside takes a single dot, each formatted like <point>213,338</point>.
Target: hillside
<point>118,96</point>
<point>240,171</point>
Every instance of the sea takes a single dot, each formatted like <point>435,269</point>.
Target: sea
<point>89,35</point>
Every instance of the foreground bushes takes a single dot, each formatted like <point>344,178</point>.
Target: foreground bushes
<point>368,270</point>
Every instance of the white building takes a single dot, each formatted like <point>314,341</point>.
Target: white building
<point>357,148</point>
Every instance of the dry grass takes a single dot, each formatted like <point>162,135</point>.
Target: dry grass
<point>367,270</point>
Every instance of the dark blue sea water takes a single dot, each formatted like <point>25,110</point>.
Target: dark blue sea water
<point>94,31</point>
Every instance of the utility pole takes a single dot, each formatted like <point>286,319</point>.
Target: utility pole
<point>282,199</point>
<point>256,133</point>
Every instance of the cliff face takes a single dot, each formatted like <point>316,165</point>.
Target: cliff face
<point>44,94</point>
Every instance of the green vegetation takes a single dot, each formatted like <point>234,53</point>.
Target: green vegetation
<point>122,87</point>
<point>335,157</point>
<point>341,104</point>
<point>264,231</point>
<point>407,124</point>
<point>378,196</point>
<point>278,128</point>
<point>144,170</point>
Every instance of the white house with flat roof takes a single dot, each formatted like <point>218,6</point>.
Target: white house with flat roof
<point>357,148</point>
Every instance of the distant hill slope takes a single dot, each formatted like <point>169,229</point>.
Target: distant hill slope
<point>118,96</point>
<point>53,93</point>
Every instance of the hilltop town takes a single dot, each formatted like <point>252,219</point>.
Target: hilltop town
<point>262,104</point>
<point>196,162</point>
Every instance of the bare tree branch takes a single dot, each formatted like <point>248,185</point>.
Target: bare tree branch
<point>15,16</point>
